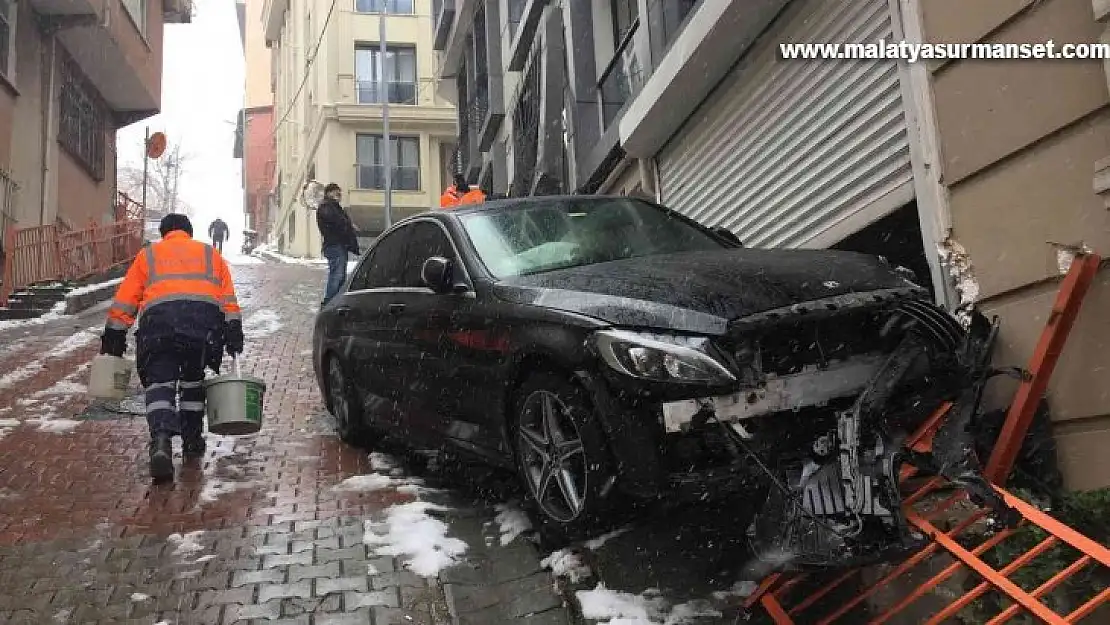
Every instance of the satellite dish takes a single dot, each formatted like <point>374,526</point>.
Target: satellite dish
<point>156,145</point>
<point>312,194</point>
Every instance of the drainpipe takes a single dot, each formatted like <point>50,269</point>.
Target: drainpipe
<point>49,71</point>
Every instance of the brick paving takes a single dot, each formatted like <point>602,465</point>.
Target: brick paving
<point>253,533</point>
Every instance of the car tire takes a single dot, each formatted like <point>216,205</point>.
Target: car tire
<point>342,401</point>
<point>551,413</point>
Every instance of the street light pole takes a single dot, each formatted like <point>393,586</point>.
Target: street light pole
<point>387,158</point>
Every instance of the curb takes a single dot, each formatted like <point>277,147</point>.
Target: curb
<point>83,299</point>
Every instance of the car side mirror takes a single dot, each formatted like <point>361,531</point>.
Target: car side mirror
<point>436,274</point>
<point>727,235</point>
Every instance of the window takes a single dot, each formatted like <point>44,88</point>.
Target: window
<point>7,38</point>
<point>404,161</point>
<point>428,240</point>
<point>84,121</point>
<point>571,233</point>
<point>400,74</point>
<point>396,7</point>
<point>381,268</point>
<point>137,10</point>
<point>625,14</point>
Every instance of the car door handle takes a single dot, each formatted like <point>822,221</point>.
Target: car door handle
<point>343,311</point>
<point>396,309</point>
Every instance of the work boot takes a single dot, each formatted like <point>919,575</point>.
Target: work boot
<point>192,448</point>
<point>161,458</point>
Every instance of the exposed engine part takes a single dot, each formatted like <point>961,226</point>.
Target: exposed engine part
<point>823,495</point>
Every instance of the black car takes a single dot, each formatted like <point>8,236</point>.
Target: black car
<point>605,345</point>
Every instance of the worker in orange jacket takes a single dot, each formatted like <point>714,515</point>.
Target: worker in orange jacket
<point>460,193</point>
<point>181,292</point>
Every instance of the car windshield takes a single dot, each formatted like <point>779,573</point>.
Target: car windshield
<point>571,233</point>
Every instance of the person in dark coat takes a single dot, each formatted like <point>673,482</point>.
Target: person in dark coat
<point>339,239</point>
<point>218,232</point>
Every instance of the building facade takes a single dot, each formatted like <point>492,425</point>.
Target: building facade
<point>978,165</point>
<point>329,112</point>
<point>256,142</point>
<point>71,74</point>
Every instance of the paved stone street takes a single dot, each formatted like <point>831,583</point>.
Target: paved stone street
<point>268,528</point>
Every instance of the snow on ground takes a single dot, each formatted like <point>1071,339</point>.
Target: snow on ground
<point>75,342</point>
<point>262,323</point>
<point>139,597</point>
<point>186,544</point>
<point>646,608</point>
<point>94,287</point>
<point>410,533</point>
<point>511,521</point>
<point>597,543</point>
<point>28,370</point>
<point>214,488</point>
<point>239,259</point>
<point>53,424</point>
<point>55,313</point>
<point>567,564</point>
<point>266,250</point>
<point>64,387</point>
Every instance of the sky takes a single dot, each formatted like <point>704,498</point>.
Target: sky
<point>202,92</point>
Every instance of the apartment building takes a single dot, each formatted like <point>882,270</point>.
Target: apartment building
<point>256,142</point>
<point>329,111</point>
<point>71,74</point>
<point>691,103</point>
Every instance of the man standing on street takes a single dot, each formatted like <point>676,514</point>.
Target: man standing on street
<point>339,239</point>
<point>181,291</point>
<point>218,232</point>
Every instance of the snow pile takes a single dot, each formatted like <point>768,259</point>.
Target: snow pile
<point>375,482</point>
<point>186,544</point>
<point>64,387</point>
<point>54,424</point>
<point>94,287</point>
<point>742,589</point>
<point>261,324</point>
<point>512,522</point>
<point>646,608</point>
<point>266,250</point>
<point>567,564</point>
<point>419,539</point>
<point>139,597</point>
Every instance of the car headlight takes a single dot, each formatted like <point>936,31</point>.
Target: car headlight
<point>661,358</point>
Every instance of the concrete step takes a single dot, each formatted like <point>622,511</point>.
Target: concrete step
<point>7,313</point>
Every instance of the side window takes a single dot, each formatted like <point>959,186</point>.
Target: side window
<point>428,240</point>
<point>382,267</point>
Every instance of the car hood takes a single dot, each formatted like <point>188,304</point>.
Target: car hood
<point>701,291</point>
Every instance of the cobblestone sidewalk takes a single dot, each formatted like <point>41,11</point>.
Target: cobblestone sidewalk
<point>255,532</point>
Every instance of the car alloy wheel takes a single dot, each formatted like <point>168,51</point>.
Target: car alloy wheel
<point>552,456</point>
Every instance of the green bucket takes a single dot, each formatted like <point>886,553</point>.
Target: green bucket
<point>234,403</point>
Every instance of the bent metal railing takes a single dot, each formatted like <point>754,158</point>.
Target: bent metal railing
<point>49,254</point>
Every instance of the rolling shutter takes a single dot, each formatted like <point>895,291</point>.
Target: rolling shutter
<point>797,153</point>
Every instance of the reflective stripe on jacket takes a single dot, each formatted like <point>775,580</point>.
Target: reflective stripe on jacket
<point>181,277</point>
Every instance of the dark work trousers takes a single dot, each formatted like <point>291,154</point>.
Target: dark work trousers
<point>172,373</point>
<point>218,244</point>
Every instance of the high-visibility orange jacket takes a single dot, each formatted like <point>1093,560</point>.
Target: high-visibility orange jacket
<point>177,286</point>
<point>473,196</point>
<point>450,197</point>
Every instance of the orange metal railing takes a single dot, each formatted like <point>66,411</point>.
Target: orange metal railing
<point>958,536</point>
<point>49,253</point>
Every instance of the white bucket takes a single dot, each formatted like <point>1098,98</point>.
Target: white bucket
<point>110,377</point>
<point>234,403</point>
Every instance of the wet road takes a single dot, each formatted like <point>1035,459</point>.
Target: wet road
<point>256,532</point>
<point>289,526</point>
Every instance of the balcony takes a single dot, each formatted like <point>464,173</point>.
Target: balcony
<point>372,177</point>
<point>369,92</point>
<point>524,31</point>
<point>443,12</point>
<point>110,42</point>
<point>273,18</point>
<point>621,80</point>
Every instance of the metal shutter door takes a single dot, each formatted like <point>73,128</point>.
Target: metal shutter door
<point>797,153</point>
